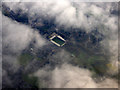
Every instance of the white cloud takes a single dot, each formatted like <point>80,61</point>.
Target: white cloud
<point>69,13</point>
<point>17,36</point>
<point>12,62</point>
<point>68,76</point>
<point>61,57</point>
<point>75,15</point>
<point>108,83</point>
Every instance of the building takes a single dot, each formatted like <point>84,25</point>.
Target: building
<point>57,40</point>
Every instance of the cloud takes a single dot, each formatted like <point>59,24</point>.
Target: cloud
<point>16,37</point>
<point>6,78</point>
<point>69,76</point>
<point>71,14</point>
<point>108,83</point>
<point>60,57</point>
<point>86,16</point>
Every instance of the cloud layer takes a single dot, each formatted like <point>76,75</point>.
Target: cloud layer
<point>69,76</point>
<point>86,16</point>
<point>82,15</point>
<point>17,37</point>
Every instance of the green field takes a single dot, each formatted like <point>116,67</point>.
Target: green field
<point>32,80</point>
<point>87,59</point>
<point>25,58</point>
<point>58,40</point>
